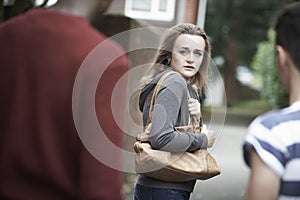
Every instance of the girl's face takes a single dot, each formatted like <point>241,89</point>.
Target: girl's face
<point>188,53</point>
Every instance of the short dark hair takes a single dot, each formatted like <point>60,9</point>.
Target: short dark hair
<point>287,30</point>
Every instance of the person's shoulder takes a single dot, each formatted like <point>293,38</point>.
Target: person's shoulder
<point>274,118</point>
<point>268,119</point>
<point>175,78</point>
<point>13,21</point>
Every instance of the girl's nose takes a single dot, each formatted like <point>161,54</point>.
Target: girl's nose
<point>190,59</point>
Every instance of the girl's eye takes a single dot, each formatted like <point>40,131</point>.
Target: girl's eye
<point>183,52</point>
<point>198,54</point>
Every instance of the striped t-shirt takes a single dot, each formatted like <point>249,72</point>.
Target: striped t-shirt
<point>275,136</point>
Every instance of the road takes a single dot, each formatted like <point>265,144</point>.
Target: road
<point>231,184</point>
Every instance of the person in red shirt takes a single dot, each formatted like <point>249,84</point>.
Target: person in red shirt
<point>41,153</point>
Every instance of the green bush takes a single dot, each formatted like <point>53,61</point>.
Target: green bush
<point>266,74</point>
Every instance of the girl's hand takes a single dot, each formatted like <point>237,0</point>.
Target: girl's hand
<point>194,108</point>
<point>210,134</point>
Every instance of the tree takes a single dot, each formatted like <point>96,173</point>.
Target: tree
<point>236,27</point>
<point>264,65</point>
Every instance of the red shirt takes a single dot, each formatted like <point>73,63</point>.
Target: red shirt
<point>41,155</point>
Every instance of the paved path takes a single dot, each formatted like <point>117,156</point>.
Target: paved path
<point>231,184</point>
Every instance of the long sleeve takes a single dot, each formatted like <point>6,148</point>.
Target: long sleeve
<point>45,109</point>
<point>170,110</point>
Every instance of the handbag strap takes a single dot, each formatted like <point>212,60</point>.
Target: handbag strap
<point>195,122</point>
<point>156,89</point>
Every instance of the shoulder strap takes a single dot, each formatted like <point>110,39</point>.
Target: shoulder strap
<point>156,89</point>
<point>194,121</point>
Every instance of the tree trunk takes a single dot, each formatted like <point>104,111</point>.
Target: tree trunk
<point>231,57</point>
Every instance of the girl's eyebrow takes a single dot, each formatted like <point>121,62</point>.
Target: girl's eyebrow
<point>187,48</point>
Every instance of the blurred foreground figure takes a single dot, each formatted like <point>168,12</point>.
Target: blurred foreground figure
<point>41,154</point>
<point>272,147</point>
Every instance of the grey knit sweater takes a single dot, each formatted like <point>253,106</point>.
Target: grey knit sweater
<point>170,110</point>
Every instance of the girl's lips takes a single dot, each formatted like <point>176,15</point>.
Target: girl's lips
<point>189,67</point>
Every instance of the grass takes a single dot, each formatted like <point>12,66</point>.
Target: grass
<point>240,113</point>
<point>250,107</point>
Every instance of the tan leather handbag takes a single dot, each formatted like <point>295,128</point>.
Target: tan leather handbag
<point>173,167</point>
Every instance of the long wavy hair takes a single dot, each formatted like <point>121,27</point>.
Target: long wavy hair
<point>164,54</point>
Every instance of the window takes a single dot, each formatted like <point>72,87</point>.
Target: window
<point>162,10</point>
<point>49,3</point>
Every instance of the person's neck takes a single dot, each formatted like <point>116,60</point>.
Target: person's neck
<point>72,8</point>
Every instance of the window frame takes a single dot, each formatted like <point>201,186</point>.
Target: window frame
<point>154,14</point>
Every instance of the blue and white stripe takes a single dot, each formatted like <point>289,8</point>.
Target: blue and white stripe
<point>276,138</point>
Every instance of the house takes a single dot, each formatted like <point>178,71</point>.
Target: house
<point>161,13</point>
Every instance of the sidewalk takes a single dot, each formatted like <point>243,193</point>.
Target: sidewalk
<point>231,184</point>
